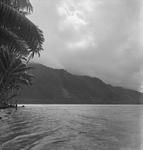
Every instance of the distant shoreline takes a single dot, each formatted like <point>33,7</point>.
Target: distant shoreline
<point>34,105</point>
<point>80,104</point>
<point>12,106</point>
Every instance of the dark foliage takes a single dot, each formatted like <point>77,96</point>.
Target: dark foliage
<point>20,40</point>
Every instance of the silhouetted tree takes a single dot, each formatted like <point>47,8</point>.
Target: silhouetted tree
<point>20,40</point>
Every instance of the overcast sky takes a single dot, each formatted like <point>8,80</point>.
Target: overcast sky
<point>101,38</point>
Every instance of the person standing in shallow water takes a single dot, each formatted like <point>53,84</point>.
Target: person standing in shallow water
<point>16,106</point>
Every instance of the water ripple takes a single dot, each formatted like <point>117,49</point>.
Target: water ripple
<point>71,128</point>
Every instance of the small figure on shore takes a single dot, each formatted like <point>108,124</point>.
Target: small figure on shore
<point>16,106</point>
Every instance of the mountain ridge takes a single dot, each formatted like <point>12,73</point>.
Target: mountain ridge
<point>57,86</point>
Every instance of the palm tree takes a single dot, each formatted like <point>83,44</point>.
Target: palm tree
<point>13,74</point>
<point>20,40</point>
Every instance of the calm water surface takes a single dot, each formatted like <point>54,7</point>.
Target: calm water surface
<point>72,127</point>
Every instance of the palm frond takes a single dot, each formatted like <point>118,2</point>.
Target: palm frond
<point>3,60</point>
<point>13,42</point>
<point>14,72</point>
<point>21,5</point>
<point>20,81</point>
<point>21,69</point>
<point>22,27</point>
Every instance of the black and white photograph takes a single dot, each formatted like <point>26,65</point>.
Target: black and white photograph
<point>71,74</point>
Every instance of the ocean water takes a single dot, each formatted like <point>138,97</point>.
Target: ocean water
<point>72,127</point>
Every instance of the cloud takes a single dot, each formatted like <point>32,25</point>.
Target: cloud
<point>93,37</point>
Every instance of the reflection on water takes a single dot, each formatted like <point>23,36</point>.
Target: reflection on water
<point>70,127</point>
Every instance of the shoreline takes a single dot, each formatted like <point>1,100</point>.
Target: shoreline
<point>10,106</point>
